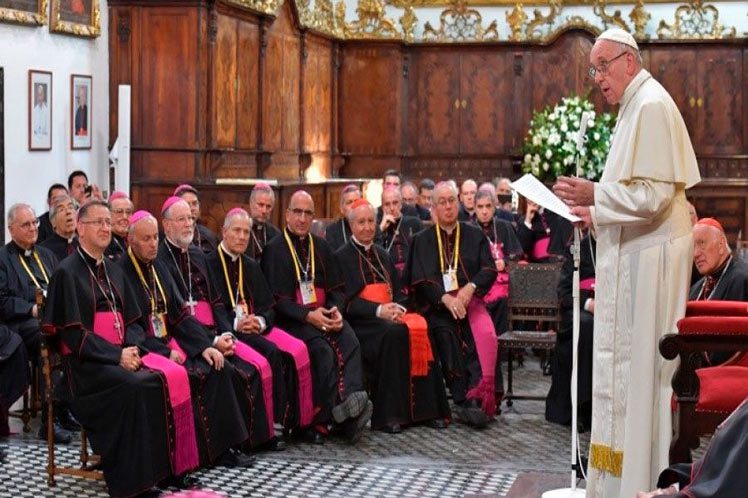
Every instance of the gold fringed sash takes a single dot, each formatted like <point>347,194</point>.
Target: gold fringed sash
<point>605,458</point>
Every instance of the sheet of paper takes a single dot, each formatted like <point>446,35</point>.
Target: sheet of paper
<point>533,189</point>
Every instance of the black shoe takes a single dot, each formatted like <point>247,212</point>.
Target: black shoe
<point>61,435</point>
<point>355,427</point>
<point>236,459</point>
<point>185,481</point>
<point>351,407</point>
<point>275,444</point>
<point>392,429</point>
<point>312,436</point>
<point>438,423</point>
<point>471,413</point>
<point>67,420</point>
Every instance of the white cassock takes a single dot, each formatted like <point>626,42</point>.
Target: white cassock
<point>644,251</point>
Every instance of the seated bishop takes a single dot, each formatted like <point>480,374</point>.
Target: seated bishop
<point>403,377</point>
<point>177,341</point>
<point>397,229</point>
<point>261,203</point>
<point>305,281</point>
<point>249,302</point>
<point>63,240</point>
<point>204,238</point>
<point>122,208</point>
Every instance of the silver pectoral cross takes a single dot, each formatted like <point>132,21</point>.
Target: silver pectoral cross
<point>191,303</point>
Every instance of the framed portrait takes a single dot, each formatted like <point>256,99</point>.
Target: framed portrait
<point>40,110</point>
<point>80,106</point>
<point>31,12</point>
<point>75,17</point>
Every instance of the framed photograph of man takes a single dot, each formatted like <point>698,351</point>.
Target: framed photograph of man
<point>31,12</point>
<point>40,110</point>
<point>80,105</point>
<point>76,17</point>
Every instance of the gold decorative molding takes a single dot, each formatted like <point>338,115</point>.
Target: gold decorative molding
<point>61,20</point>
<point>27,17</point>
<point>372,22</point>
<point>609,20</point>
<point>459,23</point>
<point>408,22</point>
<point>264,6</point>
<point>516,20</point>
<point>640,18</point>
<point>695,21</point>
<point>533,31</point>
<point>510,3</point>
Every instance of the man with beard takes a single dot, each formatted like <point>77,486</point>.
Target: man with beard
<point>249,302</point>
<point>204,238</point>
<point>179,339</point>
<point>305,281</point>
<point>403,377</point>
<point>397,230</point>
<point>63,241</point>
<point>25,269</point>
<point>195,282</point>
<point>261,202</point>
<point>94,312</point>
<point>451,268</point>
<point>122,208</point>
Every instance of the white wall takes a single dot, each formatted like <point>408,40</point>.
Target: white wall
<point>29,174</point>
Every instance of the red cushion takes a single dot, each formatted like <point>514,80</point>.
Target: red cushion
<point>728,325</point>
<point>722,388</point>
<point>722,308</point>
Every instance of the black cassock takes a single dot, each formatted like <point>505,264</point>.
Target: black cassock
<point>126,414</point>
<point>117,248</point>
<point>247,380</point>
<point>385,346</point>
<point>18,290</point>
<point>336,357</point>
<point>397,239</point>
<point>545,224</point>
<point>219,422</point>
<point>558,402</point>
<point>60,246</point>
<point>259,302</point>
<point>455,345</point>
<point>14,371</point>
<point>729,282</point>
<point>204,239</point>
<point>261,234</point>
<point>45,227</point>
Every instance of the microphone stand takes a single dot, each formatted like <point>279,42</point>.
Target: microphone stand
<point>572,491</point>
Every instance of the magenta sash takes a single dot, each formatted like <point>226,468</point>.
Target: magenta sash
<point>204,313</point>
<point>104,326</point>
<point>185,456</point>
<point>588,284</point>
<point>486,344</point>
<point>321,296</point>
<point>298,351</point>
<point>540,249</point>
<point>258,361</point>
<point>500,287</point>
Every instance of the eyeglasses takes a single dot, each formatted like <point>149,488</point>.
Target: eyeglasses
<point>122,211</point>
<point>446,202</point>
<point>98,223</point>
<point>183,219</point>
<point>302,212</point>
<point>29,225</point>
<point>604,66</point>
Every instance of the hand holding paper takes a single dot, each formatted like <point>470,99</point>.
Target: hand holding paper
<point>531,188</point>
<point>575,191</point>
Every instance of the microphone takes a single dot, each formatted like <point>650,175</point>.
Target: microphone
<point>582,129</point>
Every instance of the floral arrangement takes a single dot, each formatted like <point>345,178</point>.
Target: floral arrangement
<point>550,148</point>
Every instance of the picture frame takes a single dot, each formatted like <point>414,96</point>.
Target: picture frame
<point>28,12</point>
<point>81,105</point>
<point>75,17</point>
<point>40,110</point>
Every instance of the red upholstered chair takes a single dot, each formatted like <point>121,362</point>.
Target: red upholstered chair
<point>705,395</point>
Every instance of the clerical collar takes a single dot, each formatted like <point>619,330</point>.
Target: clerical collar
<point>365,246</point>
<point>230,254</point>
<point>89,257</point>
<point>175,246</point>
<point>258,225</point>
<point>717,273</point>
<point>69,240</point>
<point>25,252</point>
<point>449,230</point>
<point>300,238</point>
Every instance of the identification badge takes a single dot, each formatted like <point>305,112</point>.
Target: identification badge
<point>308,292</point>
<point>449,279</point>
<point>240,310</point>
<point>158,325</point>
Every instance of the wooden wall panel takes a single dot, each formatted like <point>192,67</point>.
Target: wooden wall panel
<point>170,79</point>
<point>721,89</point>
<point>223,111</point>
<point>317,95</point>
<point>248,95</point>
<point>675,70</point>
<point>371,94</point>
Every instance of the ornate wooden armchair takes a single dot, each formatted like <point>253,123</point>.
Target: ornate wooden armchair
<point>705,395</point>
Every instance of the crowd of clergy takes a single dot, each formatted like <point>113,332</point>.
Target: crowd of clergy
<point>183,348</point>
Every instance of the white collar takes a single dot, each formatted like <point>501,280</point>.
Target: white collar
<point>231,255</point>
<point>365,246</point>
<point>98,261</point>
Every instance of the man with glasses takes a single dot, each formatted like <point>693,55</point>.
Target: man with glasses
<point>122,208</point>
<point>451,268</point>
<point>644,248</point>
<point>63,240</point>
<point>204,238</point>
<point>306,283</point>
<point>26,268</point>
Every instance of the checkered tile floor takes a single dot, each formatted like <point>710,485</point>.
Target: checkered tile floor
<point>420,462</point>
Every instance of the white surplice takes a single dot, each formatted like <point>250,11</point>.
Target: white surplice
<point>644,251</point>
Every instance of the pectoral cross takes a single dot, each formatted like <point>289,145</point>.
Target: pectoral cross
<point>191,303</point>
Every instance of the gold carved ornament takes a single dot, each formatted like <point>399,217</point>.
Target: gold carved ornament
<point>264,6</point>
<point>89,30</point>
<point>610,20</point>
<point>640,18</point>
<point>408,23</point>
<point>533,31</point>
<point>459,23</point>
<point>516,20</point>
<point>695,21</point>
<point>17,16</point>
<point>372,22</point>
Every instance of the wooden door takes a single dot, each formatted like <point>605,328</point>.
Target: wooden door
<point>675,69</point>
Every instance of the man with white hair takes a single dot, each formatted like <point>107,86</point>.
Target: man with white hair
<point>397,229</point>
<point>339,233</point>
<point>644,247</point>
<point>63,240</point>
<point>261,203</point>
<point>122,208</point>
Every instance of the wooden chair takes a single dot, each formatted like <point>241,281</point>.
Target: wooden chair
<point>31,401</point>
<point>51,361</point>
<point>705,395</point>
<point>532,298</point>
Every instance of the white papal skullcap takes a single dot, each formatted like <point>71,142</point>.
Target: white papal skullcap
<point>620,36</point>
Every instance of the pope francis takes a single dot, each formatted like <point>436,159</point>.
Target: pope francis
<point>644,248</point>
